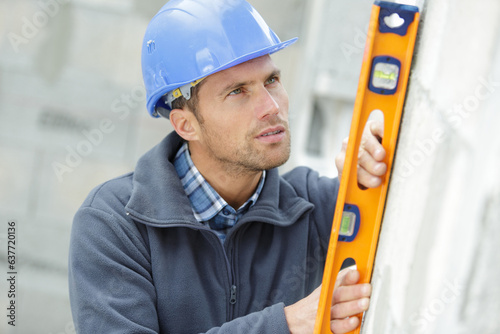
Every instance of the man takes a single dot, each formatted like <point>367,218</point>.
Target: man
<point>204,235</point>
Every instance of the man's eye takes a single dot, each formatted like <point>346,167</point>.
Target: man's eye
<point>235,92</point>
<point>271,81</point>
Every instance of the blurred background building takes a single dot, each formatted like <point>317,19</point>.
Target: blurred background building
<point>72,116</point>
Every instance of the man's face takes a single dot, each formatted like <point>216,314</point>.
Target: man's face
<point>243,118</point>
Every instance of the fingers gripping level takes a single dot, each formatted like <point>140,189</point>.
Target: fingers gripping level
<point>382,85</point>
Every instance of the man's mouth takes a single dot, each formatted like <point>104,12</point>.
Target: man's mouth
<point>271,133</point>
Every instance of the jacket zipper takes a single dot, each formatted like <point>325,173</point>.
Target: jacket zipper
<point>232,280</point>
<point>233,295</point>
<point>230,249</point>
<point>232,287</point>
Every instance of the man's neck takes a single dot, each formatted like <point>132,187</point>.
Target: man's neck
<point>235,191</point>
<point>235,187</point>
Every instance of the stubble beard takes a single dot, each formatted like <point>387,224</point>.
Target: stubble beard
<point>247,159</point>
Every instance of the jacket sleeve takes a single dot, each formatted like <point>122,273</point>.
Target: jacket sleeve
<point>270,320</point>
<point>111,286</point>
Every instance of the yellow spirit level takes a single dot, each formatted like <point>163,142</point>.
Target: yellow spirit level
<point>382,86</point>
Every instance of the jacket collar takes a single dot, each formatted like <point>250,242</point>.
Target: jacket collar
<point>158,198</point>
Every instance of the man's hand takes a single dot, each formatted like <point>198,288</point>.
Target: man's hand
<point>371,167</point>
<point>348,300</point>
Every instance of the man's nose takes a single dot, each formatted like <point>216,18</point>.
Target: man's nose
<point>266,104</point>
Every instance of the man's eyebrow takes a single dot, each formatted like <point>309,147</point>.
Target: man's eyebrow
<point>275,73</point>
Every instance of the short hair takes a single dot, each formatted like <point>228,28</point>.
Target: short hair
<point>192,103</point>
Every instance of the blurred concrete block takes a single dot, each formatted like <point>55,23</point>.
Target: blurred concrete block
<point>150,131</point>
<point>44,303</point>
<point>16,176</point>
<point>65,188</point>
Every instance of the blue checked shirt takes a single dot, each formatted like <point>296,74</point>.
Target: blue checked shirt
<point>208,207</point>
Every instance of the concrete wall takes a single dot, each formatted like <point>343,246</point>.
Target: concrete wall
<point>437,263</point>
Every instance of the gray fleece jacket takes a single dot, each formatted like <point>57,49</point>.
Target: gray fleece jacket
<point>140,263</point>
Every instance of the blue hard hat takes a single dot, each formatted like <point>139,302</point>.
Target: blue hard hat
<point>188,40</point>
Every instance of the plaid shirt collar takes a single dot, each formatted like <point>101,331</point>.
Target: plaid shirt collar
<point>205,201</point>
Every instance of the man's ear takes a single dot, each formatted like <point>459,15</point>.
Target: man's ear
<point>184,123</point>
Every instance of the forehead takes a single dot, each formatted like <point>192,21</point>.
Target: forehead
<point>249,71</point>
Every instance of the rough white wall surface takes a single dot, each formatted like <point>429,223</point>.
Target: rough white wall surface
<point>437,266</point>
